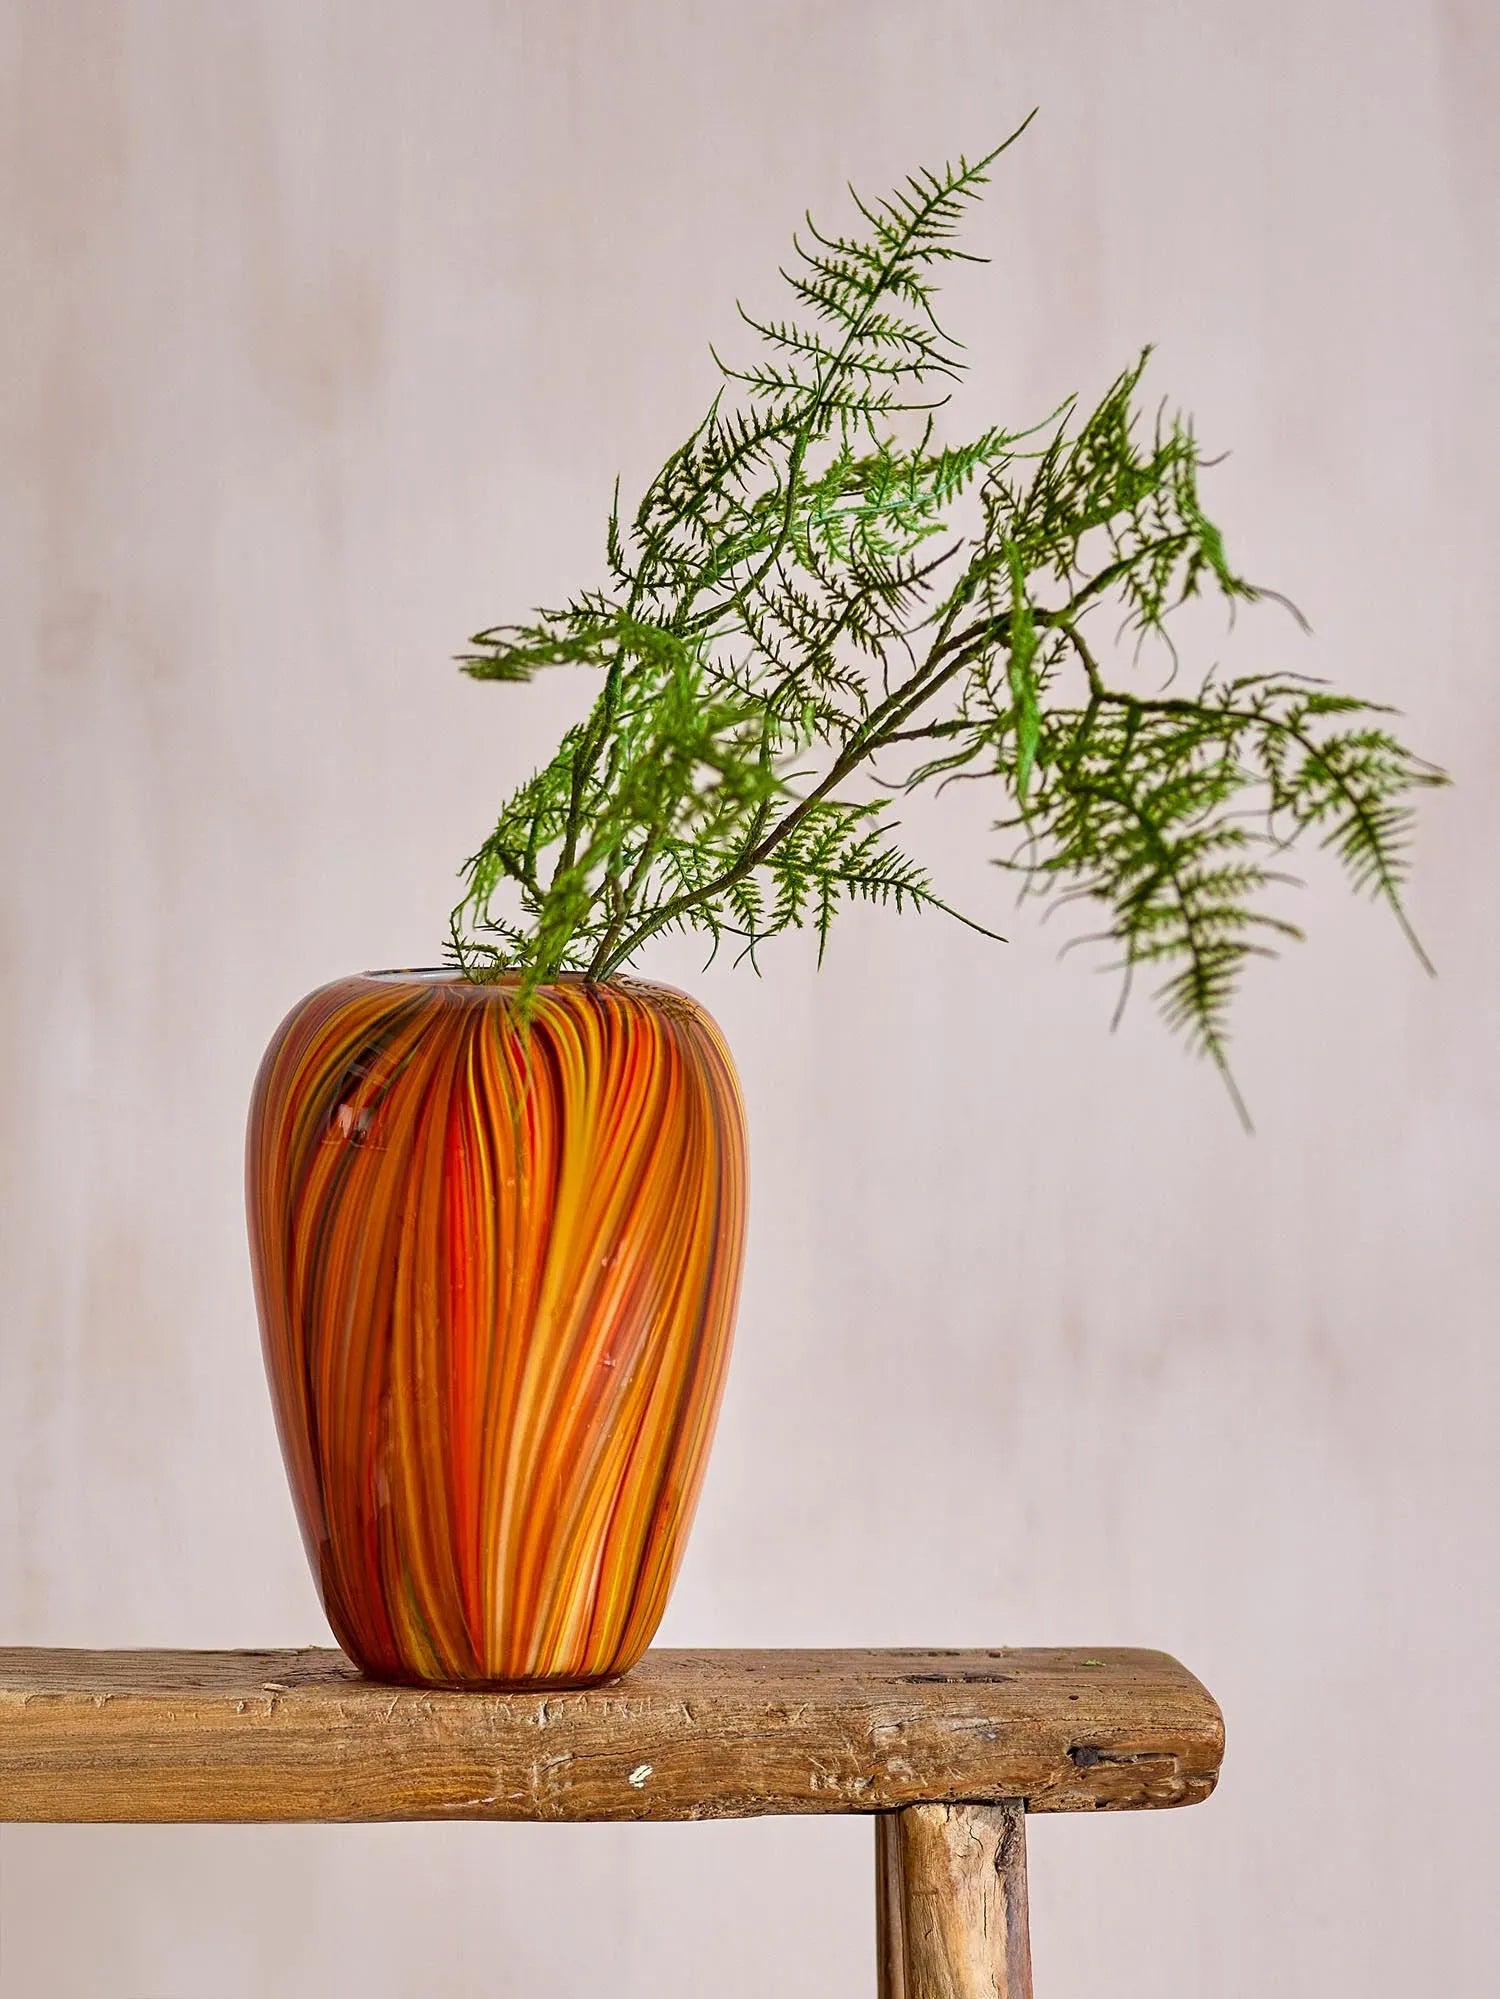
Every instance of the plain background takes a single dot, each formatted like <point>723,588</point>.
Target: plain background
<point>327,327</point>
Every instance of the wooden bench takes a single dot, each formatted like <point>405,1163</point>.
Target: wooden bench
<point>948,1750</point>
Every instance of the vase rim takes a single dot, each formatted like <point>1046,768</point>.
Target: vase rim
<point>414,972</point>
<point>451,976</point>
<point>454,975</point>
<point>450,979</point>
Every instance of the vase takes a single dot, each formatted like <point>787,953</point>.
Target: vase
<point>496,1256</point>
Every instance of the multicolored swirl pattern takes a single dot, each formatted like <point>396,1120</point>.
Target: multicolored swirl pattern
<point>497,1267</point>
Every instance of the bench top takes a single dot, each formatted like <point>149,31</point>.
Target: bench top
<point>301,1736</point>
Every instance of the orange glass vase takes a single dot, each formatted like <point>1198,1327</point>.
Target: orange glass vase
<point>496,1264</point>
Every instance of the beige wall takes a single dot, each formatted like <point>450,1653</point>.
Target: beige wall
<point>327,326</point>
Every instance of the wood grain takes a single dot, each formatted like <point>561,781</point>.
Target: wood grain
<point>301,1736</point>
<point>951,1902</point>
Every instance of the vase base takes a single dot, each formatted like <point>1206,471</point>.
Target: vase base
<point>538,1684</point>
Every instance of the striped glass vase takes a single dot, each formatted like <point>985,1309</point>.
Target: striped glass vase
<point>496,1263</point>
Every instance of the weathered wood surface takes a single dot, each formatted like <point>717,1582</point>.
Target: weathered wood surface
<point>300,1736</point>
<point>951,1902</point>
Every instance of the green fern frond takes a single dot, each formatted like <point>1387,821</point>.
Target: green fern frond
<point>804,593</point>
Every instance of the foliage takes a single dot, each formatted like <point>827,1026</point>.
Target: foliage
<point>814,581</point>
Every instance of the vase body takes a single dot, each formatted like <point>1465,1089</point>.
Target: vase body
<point>496,1264</point>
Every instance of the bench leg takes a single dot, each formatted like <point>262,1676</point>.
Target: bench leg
<point>950,1908</point>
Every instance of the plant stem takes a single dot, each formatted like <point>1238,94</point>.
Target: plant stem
<point>866,741</point>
